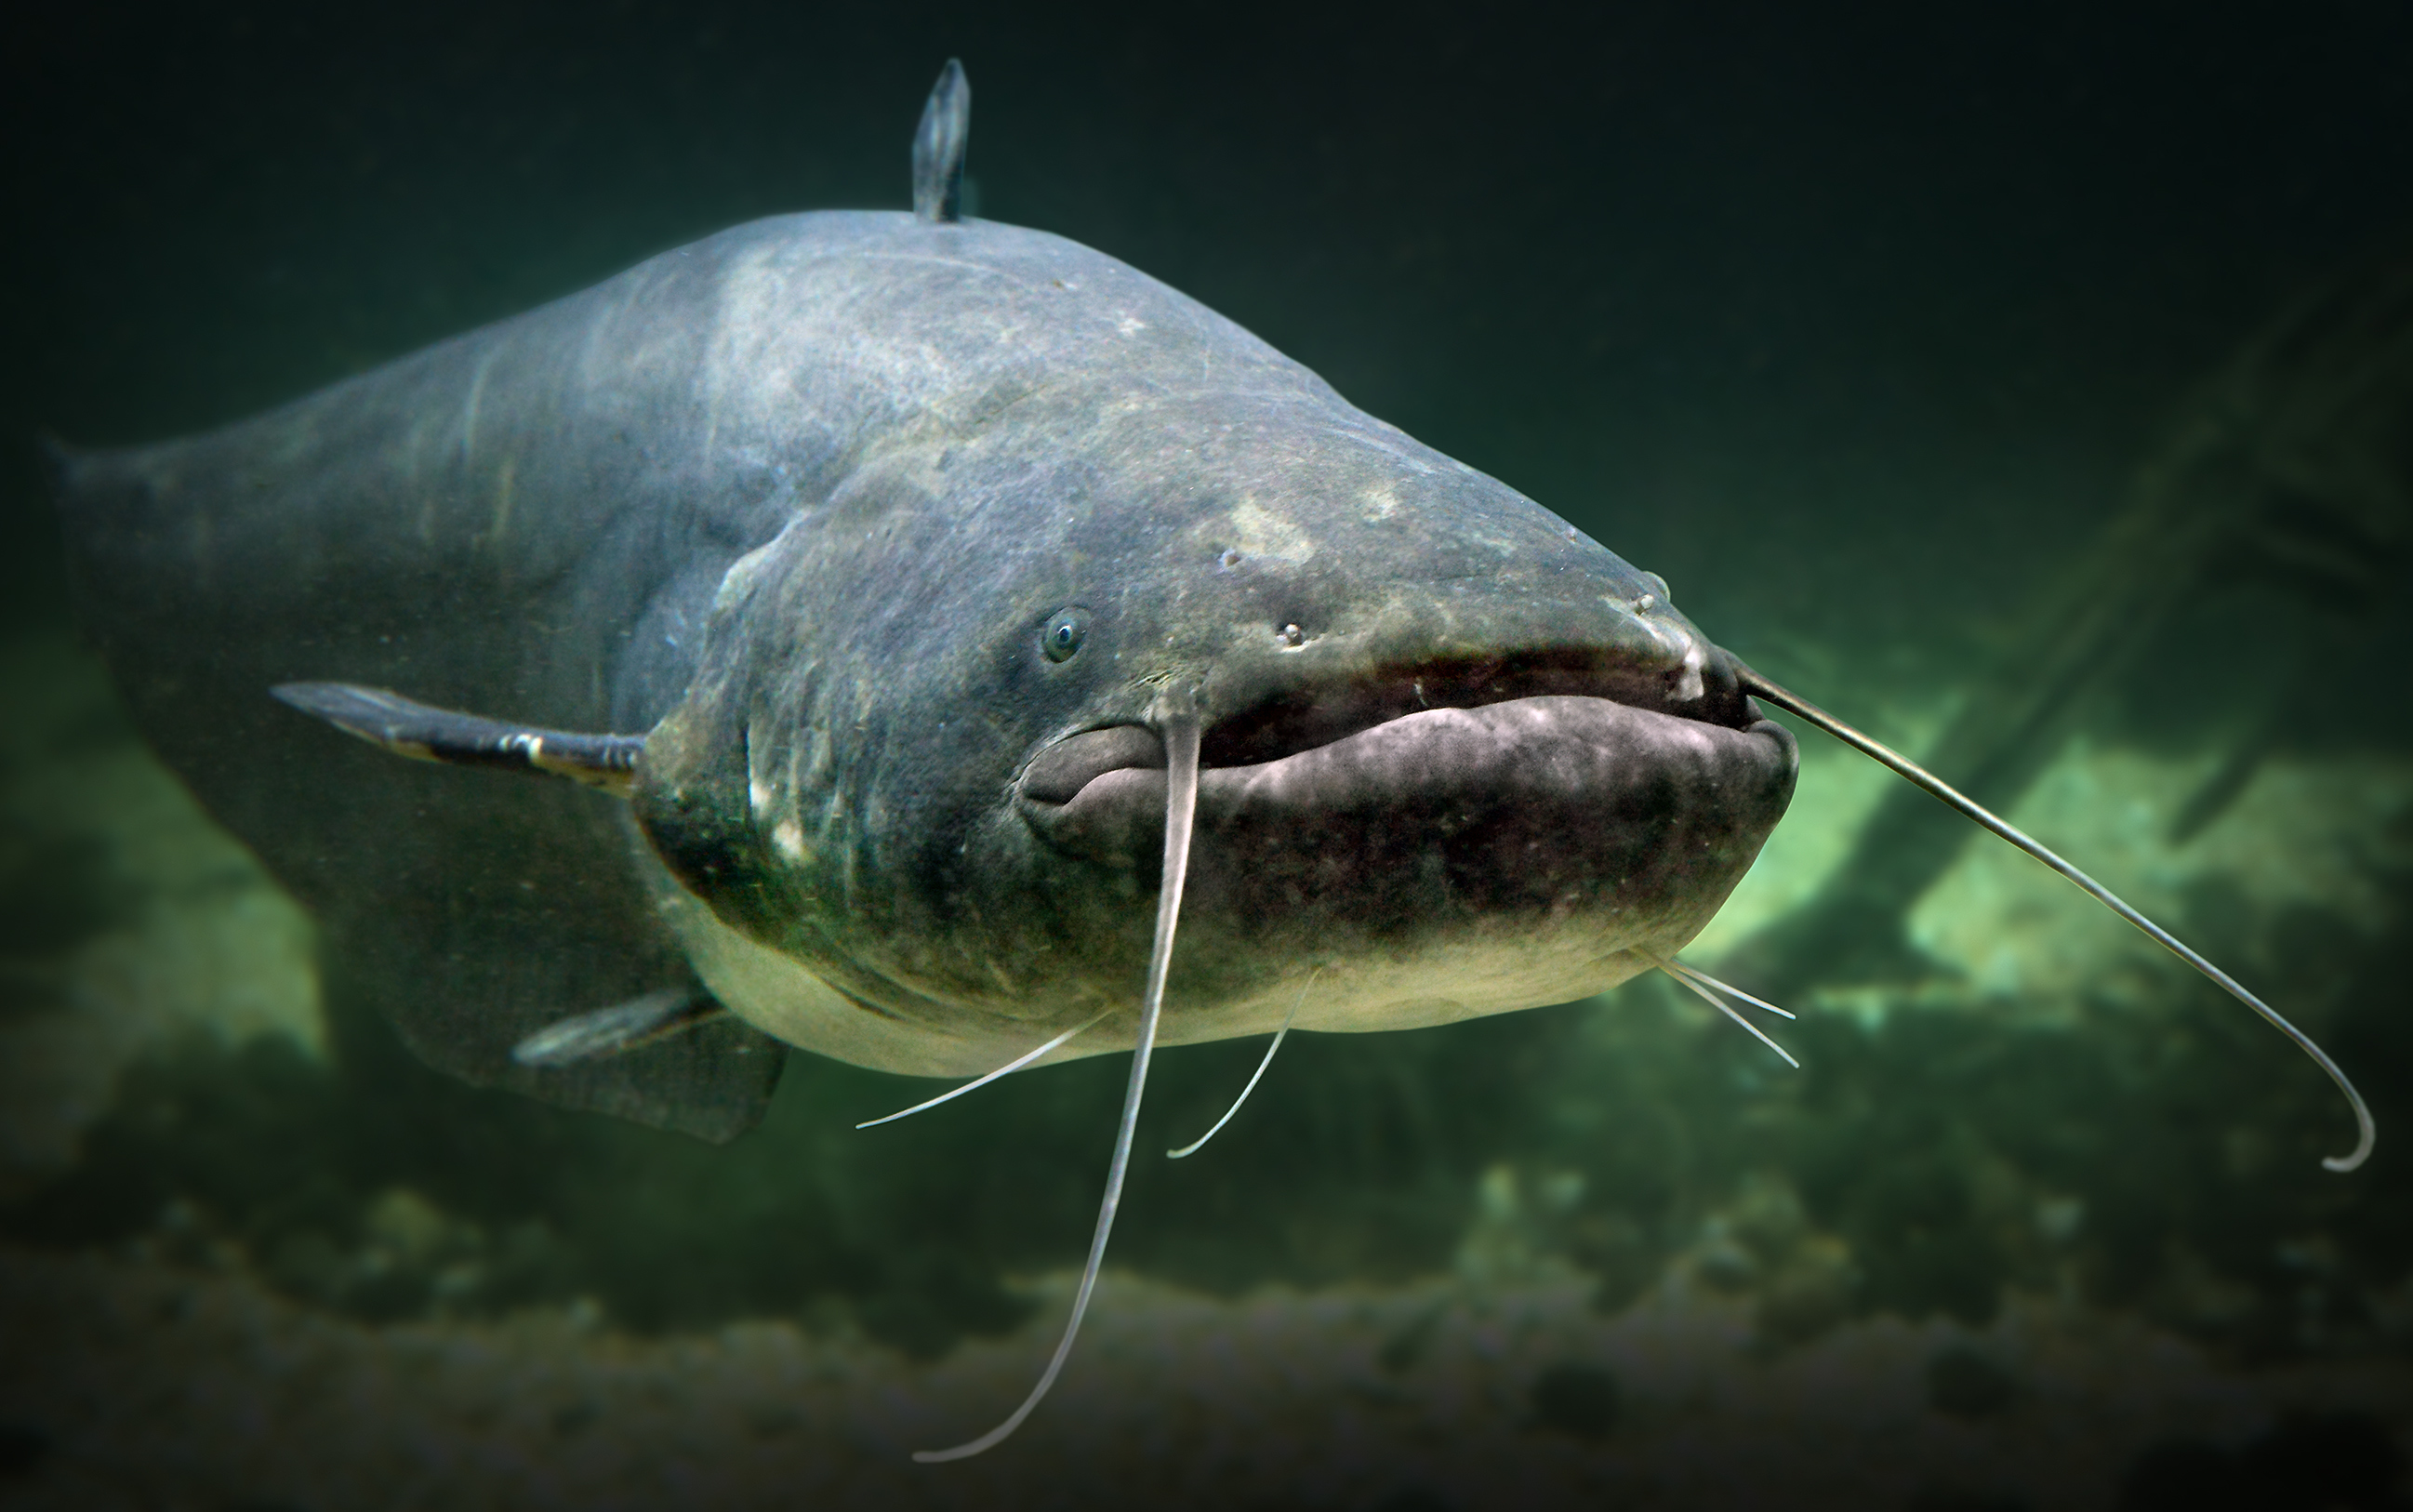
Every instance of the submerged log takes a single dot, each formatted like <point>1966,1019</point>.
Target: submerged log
<point>2285,485</point>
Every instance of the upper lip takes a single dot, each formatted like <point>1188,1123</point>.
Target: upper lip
<point>1304,718</point>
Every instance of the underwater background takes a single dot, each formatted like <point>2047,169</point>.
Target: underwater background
<point>2032,387</point>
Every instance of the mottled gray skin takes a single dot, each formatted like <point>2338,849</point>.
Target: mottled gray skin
<point>800,499</point>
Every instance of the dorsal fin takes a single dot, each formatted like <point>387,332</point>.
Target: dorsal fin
<point>424,733</point>
<point>938,146</point>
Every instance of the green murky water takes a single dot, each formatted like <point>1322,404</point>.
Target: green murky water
<point>1862,363</point>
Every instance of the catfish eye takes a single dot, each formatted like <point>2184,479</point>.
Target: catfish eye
<point>1064,634</point>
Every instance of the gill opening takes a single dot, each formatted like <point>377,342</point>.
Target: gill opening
<point>1176,718</point>
<point>2367,1132</point>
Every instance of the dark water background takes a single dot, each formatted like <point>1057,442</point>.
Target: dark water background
<point>1763,294</point>
<point>1851,321</point>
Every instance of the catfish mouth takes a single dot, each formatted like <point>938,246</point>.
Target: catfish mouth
<point>1440,747</point>
<point>1303,717</point>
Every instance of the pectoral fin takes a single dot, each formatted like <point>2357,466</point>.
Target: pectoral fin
<point>427,734</point>
<point>623,1027</point>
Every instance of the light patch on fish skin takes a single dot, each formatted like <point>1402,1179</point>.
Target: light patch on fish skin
<point>739,580</point>
<point>788,838</point>
<point>1381,503</point>
<point>1689,687</point>
<point>758,789</point>
<point>1258,531</point>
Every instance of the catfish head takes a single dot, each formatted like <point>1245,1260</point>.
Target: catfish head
<point>1456,757</point>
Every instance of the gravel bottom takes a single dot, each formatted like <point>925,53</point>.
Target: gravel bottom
<point>128,1384</point>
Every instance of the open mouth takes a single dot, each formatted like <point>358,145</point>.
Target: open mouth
<point>1305,717</point>
<point>1537,749</point>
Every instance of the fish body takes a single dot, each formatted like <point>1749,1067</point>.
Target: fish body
<point>803,504</point>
